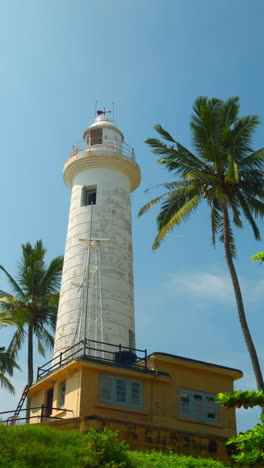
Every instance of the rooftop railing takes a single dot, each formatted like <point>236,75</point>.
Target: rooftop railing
<point>108,144</point>
<point>99,351</point>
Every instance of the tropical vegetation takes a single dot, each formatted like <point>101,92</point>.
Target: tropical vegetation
<point>31,305</point>
<point>249,444</point>
<point>7,366</point>
<point>45,447</point>
<point>226,173</point>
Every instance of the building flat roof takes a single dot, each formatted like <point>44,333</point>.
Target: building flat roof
<point>203,363</point>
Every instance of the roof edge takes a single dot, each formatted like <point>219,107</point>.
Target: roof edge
<point>210,364</point>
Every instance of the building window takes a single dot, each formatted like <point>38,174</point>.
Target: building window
<point>88,196</point>
<point>62,393</point>
<point>96,136</point>
<point>121,392</point>
<point>198,405</point>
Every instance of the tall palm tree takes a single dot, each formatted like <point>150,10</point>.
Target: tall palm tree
<point>225,172</point>
<point>7,365</point>
<point>32,303</point>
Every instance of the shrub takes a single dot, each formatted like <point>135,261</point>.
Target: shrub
<point>103,449</point>
<point>161,460</point>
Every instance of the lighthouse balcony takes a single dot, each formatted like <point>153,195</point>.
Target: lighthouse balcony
<point>97,351</point>
<point>105,144</point>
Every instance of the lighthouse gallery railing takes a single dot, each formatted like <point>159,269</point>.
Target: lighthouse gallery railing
<point>108,144</point>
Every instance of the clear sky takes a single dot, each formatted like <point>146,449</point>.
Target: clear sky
<point>152,58</point>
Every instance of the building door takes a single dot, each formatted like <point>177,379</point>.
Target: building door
<point>49,402</point>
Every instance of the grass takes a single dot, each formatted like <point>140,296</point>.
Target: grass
<point>45,447</point>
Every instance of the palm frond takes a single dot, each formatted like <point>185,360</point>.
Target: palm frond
<point>248,215</point>
<point>232,174</point>
<point>243,131</point>
<point>5,383</point>
<point>206,126</point>
<point>171,185</point>
<point>234,205</point>
<point>14,285</point>
<point>216,219</point>
<point>7,363</point>
<point>167,221</point>
<point>158,147</point>
<point>230,111</point>
<point>150,204</point>
<point>16,342</point>
<point>254,160</point>
<point>164,133</point>
<point>50,282</point>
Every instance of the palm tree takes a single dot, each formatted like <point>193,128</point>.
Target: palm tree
<point>7,365</point>
<point>32,304</point>
<point>225,172</point>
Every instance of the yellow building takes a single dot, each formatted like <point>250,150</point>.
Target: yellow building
<point>159,401</point>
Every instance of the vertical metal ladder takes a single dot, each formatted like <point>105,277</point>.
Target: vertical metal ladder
<point>22,400</point>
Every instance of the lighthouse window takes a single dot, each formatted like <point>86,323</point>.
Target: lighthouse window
<point>88,196</point>
<point>122,392</point>
<point>96,136</point>
<point>198,405</point>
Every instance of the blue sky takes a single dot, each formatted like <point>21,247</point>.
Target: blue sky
<point>152,58</point>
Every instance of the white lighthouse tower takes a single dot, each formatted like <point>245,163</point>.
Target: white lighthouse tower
<point>97,299</point>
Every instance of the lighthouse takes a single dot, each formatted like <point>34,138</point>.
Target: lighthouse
<point>97,297</point>
<point>97,377</point>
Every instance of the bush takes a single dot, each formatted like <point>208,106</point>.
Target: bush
<point>45,447</point>
<point>103,449</point>
<point>161,460</point>
<point>249,444</point>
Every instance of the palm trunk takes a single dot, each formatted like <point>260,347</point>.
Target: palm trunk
<point>30,366</point>
<point>240,306</point>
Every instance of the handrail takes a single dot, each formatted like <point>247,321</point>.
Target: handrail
<point>13,419</point>
<point>93,349</point>
<point>36,407</point>
<point>109,143</point>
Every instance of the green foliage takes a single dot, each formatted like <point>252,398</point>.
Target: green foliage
<point>249,444</point>
<point>104,450</point>
<point>247,399</point>
<point>7,366</point>
<point>45,447</point>
<point>161,460</point>
<point>259,256</point>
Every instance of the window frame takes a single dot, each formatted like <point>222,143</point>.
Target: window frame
<point>192,415</point>
<point>127,385</point>
<point>62,394</point>
<point>96,136</point>
<point>86,191</point>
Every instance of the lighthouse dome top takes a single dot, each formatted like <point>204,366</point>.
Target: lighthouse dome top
<point>102,122</point>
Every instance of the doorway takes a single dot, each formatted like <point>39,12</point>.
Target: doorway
<point>49,402</point>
